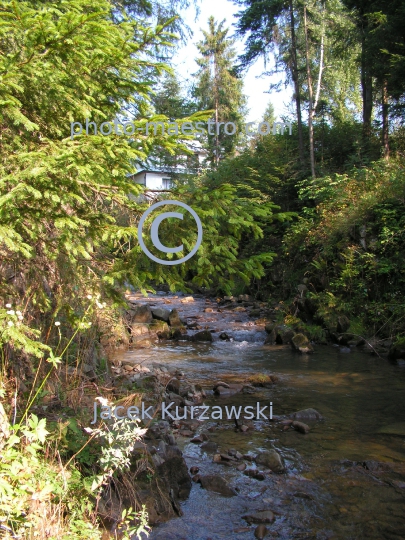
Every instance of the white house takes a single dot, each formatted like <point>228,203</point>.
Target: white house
<point>153,179</point>
<point>159,178</point>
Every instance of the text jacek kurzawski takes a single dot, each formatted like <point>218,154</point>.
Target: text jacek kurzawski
<point>193,412</point>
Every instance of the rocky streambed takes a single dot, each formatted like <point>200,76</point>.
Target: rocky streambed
<point>330,463</point>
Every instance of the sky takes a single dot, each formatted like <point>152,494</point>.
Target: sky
<point>255,86</point>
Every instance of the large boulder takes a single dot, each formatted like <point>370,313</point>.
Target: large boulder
<point>174,473</point>
<point>170,483</point>
<point>301,344</point>
<point>283,334</point>
<point>141,314</point>
<point>161,314</point>
<point>272,460</point>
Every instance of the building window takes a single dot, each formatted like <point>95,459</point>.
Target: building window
<point>167,183</point>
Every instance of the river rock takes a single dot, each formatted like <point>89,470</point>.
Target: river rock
<point>224,336</point>
<point>211,482</point>
<point>209,446</point>
<point>199,438</point>
<point>174,386</point>
<point>264,516</point>
<point>307,414</point>
<point>272,460</point>
<point>174,473</point>
<point>187,300</point>
<point>174,319</point>
<point>160,328</point>
<point>301,344</point>
<point>270,339</point>
<point>161,314</point>
<point>227,457</point>
<point>269,327</point>
<point>284,334</point>
<point>254,473</point>
<point>300,426</point>
<point>260,532</point>
<point>141,314</point>
<point>204,335</point>
<point>229,390</point>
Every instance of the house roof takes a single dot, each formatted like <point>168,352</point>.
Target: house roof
<point>157,171</point>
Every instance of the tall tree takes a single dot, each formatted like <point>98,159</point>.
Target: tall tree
<point>380,26</point>
<point>170,100</point>
<point>219,88</point>
<point>303,36</point>
<point>260,22</point>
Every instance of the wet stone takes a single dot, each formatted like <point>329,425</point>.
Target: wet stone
<point>209,446</point>
<point>260,532</point>
<point>300,426</point>
<point>307,414</point>
<point>218,484</point>
<point>272,460</point>
<point>264,516</point>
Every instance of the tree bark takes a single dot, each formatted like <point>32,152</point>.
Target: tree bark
<point>294,72</point>
<point>366,86</point>
<point>310,98</point>
<point>385,130</point>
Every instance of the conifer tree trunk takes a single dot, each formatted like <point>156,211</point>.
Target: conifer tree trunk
<point>216,111</point>
<point>385,130</point>
<point>367,89</point>
<point>310,98</point>
<point>294,71</point>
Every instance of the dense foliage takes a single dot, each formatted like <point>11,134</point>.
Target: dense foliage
<point>323,209</point>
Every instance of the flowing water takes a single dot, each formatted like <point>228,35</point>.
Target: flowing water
<point>345,479</point>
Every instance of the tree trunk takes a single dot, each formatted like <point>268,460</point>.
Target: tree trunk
<point>385,130</point>
<point>367,88</point>
<point>310,98</point>
<point>294,72</point>
<point>216,111</point>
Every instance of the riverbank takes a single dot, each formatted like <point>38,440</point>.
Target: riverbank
<point>355,444</point>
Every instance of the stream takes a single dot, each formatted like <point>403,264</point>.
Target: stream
<point>345,479</point>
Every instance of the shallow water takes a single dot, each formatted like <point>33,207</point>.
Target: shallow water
<point>327,492</point>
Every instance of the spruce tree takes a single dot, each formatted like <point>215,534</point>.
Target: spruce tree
<point>218,88</point>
